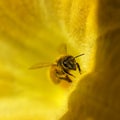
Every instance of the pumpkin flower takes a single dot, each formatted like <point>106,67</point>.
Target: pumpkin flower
<point>34,31</point>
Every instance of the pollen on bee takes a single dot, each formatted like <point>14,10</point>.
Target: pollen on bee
<point>64,84</point>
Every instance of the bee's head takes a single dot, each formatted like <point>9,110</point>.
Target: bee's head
<point>69,62</point>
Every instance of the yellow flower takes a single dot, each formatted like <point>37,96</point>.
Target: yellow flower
<point>31,32</point>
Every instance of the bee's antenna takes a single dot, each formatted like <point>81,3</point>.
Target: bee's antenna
<point>78,56</point>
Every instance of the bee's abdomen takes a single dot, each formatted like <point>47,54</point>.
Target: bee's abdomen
<point>54,74</point>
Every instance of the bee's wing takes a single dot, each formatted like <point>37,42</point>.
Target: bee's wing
<point>40,65</point>
<point>62,49</point>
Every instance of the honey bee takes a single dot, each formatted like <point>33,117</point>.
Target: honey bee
<point>60,70</point>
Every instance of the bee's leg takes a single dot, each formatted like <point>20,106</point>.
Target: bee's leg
<point>68,73</point>
<point>66,78</point>
<point>78,66</point>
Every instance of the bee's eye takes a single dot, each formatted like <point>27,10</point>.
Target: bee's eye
<point>68,64</point>
<point>65,64</point>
